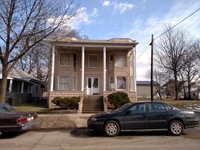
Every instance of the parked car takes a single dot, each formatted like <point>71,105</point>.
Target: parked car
<point>143,116</point>
<point>12,120</point>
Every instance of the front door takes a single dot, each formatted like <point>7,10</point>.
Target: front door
<point>93,86</point>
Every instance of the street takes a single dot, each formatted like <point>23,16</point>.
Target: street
<point>82,138</point>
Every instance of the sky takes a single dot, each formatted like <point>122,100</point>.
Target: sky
<point>135,19</point>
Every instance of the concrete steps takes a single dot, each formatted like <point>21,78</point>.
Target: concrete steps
<point>92,104</point>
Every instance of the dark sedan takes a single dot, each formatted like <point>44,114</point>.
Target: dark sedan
<point>143,116</point>
<point>12,120</point>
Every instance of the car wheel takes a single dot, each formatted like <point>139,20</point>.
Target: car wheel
<point>112,128</point>
<point>176,127</point>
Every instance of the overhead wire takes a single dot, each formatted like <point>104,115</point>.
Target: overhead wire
<point>169,30</point>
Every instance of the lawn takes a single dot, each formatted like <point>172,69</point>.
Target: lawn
<point>179,103</point>
<point>190,104</point>
<point>31,107</point>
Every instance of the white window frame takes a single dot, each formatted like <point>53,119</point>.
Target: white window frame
<point>62,54</point>
<point>124,87</point>
<point>67,83</point>
<point>121,63</point>
<point>89,65</point>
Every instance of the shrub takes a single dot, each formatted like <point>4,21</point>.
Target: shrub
<point>118,99</point>
<point>66,103</point>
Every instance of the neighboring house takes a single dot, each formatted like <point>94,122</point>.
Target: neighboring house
<point>144,90</point>
<point>92,67</point>
<point>194,91</point>
<point>169,88</point>
<point>21,87</point>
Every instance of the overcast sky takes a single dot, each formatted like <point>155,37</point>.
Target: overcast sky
<point>135,19</point>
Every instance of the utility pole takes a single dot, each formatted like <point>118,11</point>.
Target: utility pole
<point>151,67</point>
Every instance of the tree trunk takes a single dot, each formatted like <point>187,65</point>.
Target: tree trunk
<point>3,84</point>
<point>176,86</point>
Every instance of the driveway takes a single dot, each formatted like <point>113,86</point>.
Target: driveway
<point>84,139</point>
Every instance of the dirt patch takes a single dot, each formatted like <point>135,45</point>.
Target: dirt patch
<point>55,122</point>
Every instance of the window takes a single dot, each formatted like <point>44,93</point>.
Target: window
<point>157,107</point>
<point>111,62</point>
<point>74,61</point>
<point>138,108</point>
<point>64,58</point>
<point>111,85</point>
<point>74,83</point>
<point>63,83</point>
<point>92,60</point>
<point>121,82</point>
<point>121,60</point>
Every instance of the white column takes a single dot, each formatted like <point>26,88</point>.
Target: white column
<point>22,87</point>
<point>10,85</point>
<point>104,69</point>
<point>52,68</point>
<point>134,69</point>
<point>83,69</point>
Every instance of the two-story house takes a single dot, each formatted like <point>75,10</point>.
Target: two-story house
<point>92,68</point>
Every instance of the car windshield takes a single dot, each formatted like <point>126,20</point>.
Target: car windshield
<point>123,108</point>
<point>5,108</point>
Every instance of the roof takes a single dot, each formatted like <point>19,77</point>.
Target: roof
<point>20,75</point>
<point>145,82</point>
<point>73,40</point>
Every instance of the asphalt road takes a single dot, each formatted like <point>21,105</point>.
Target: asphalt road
<point>84,139</point>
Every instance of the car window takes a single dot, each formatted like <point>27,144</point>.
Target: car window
<point>157,107</point>
<point>123,108</point>
<point>138,108</point>
<point>4,108</point>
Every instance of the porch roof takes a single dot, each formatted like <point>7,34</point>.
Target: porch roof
<point>71,41</point>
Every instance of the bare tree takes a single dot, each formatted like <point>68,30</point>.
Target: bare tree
<point>172,47</point>
<point>24,24</point>
<point>159,78</point>
<point>190,72</point>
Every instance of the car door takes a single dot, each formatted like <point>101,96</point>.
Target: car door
<point>157,116</point>
<point>135,118</point>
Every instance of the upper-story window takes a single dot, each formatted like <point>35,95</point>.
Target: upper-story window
<point>64,58</point>
<point>121,60</point>
<point>93,60</point>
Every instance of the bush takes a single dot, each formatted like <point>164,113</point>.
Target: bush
<point>66,103</point>
<point>118,99</point>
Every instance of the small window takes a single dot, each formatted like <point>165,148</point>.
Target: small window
<point>63,83</point>
<point>64,58</point>
<point>92,60</point>
<point>121,60</point>
<point>74,83</point>
<point>157,107</point>
<point>111,57</point>
<point>75,62</point>
<point>121,82</point>
<point>111,62</point>
<point>111,85</point>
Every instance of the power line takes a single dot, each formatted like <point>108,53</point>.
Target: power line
<point>169,30</point>
<point>142,52</point>
<point>178,23</point>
